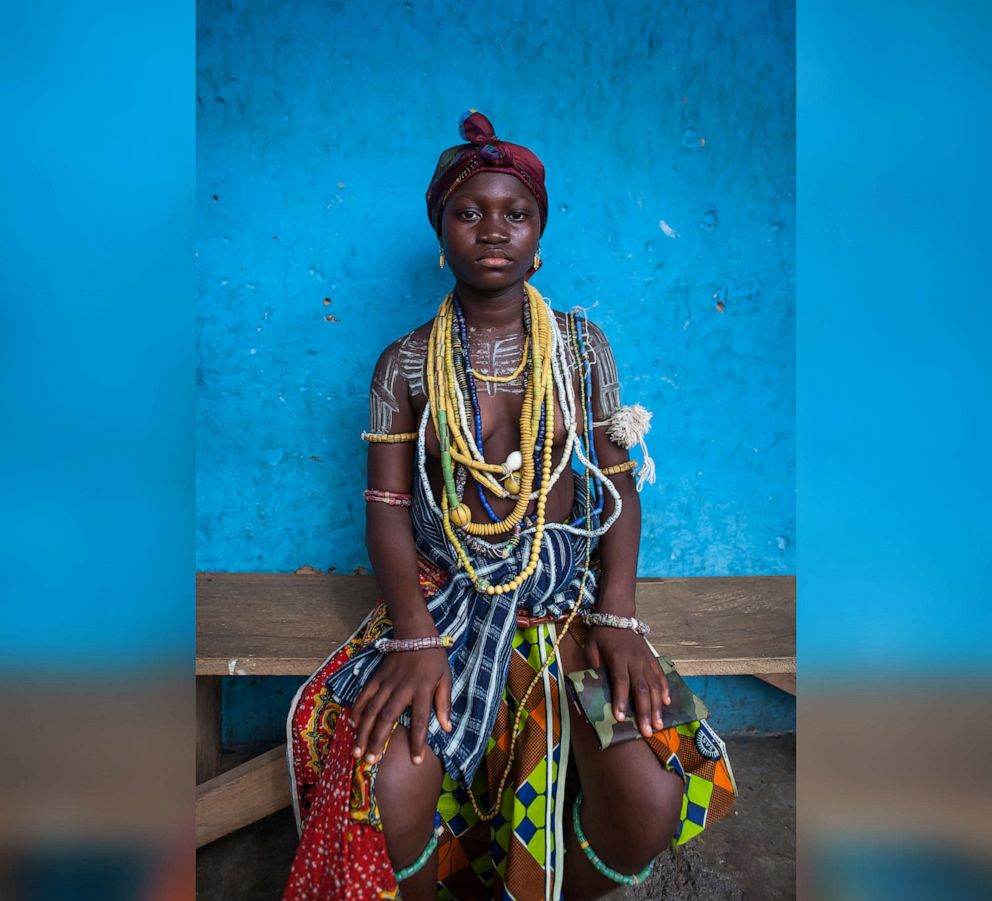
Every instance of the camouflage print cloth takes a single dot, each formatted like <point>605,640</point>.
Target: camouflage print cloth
<point>591,690</point>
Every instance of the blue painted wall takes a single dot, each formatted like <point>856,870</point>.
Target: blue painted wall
<point>256,707</point>
<point>668,132</point>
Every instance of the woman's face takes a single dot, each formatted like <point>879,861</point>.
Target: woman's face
<point>490,230</point>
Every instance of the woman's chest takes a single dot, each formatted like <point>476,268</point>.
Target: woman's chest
<point>493,410</point>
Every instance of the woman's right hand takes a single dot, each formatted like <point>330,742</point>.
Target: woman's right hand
<point>415,679</point>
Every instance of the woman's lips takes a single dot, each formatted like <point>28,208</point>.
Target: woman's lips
<point>495,262</point>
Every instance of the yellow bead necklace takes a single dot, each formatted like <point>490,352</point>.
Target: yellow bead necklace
<point>444,404</point>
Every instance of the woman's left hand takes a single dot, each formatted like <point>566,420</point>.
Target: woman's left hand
<point>633,670</point>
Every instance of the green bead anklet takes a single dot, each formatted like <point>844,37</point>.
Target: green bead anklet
<point>595,859</point>
<point>418,864</point>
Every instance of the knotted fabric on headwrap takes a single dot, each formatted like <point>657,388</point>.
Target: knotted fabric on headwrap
<point>484,153</point>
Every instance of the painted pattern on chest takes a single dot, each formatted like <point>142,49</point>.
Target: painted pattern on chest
<point>402,369</point>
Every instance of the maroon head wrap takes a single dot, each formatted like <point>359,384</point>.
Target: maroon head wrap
<point>484,153</point>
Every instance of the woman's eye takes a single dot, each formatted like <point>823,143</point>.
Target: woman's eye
<point>468,215</point>
<point>517,216</point>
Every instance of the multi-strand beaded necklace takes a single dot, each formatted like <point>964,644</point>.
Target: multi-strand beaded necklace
<point>527,474</point>
<point>516,476</point>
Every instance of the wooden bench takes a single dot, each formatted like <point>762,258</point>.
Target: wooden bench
<point>264,624</point>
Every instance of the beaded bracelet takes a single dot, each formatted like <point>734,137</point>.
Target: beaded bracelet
<point>393,498</point>
<point>391,645</point>
<point>616,469</point>
<point>397,438</point>
<point>616,622</point>
<point>595,859</point>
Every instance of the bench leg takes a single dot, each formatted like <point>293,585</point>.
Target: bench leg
<point>207,727</point>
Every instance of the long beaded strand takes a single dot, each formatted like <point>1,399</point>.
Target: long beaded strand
<point>466,364</point>
<point>459,449</point>
<point>587,404</point>
<point>440,363</point>
<point>522,704</point>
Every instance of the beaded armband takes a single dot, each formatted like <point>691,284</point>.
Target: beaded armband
<point>396,438</point>
<point>393,498</point>
<point>616,469</point>
<point>392,645</point>
<point>613,621</point>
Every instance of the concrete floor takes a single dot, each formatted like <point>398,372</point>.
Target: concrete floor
<point>749,855</point>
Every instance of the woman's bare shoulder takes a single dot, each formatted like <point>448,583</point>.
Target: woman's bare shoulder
<point>404,359</point>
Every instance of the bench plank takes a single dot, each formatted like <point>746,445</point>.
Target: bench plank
<point>242,795</point>
<point>784,681</point>
<point>287,624</point>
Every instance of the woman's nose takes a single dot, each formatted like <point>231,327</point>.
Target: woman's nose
<point>493,230</point>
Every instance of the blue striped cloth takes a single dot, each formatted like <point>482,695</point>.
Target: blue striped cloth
<point>481,625</point>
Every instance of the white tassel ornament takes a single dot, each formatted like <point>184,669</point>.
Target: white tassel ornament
<point>627,427</point>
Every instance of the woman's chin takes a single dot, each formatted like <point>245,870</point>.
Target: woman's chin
<point>490,280</point>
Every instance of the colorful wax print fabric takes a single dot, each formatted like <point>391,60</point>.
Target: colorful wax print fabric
<point>520,853</point>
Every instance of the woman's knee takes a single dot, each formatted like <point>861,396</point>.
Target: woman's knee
<point>643,817</point>
<point>406,795</point>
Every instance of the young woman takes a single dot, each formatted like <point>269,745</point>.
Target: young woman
<point>437,753</point>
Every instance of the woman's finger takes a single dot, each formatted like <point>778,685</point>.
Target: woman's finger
<point>421,711</point>
<point>383,727</point>
<point>654,685</point>
<point>642,700</point>
<point>366,695</point>
<point>620,683</point>
<point>442,701</point>
<point>367,719</point>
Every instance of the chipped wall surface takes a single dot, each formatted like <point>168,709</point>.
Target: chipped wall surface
<point>668,132</point>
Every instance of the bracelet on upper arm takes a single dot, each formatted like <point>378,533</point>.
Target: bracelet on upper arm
<point>395,438</point>
<point>393,498</point>
<point>617,468</point>
<point>616,622</point>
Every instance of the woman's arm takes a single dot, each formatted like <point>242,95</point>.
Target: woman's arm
<point>633,668</point>
<point>414,679</point>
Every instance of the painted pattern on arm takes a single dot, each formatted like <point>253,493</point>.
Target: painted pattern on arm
<point>412,354</point>
<point>386,382</point>
<point>607,399</point>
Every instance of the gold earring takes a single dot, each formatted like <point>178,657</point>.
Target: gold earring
<point>440,251</point>
<point>537,258</point>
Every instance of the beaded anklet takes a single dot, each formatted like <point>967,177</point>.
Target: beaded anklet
<point>425,855</point>
<point>596,860</point>
<point>626,466</point>
<point>616,622</point>
<point>396,438</point>
<point>393,498</point>
<point>393,645</point>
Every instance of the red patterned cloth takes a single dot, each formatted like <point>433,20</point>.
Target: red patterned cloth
<point>342,852</point>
